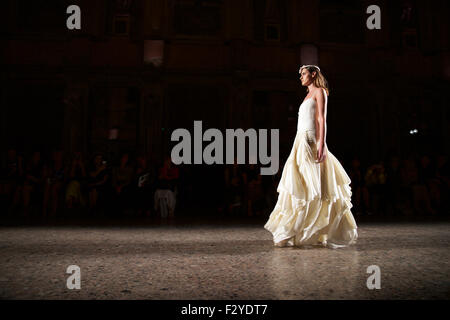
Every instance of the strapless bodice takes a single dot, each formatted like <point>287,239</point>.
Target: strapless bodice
<point>307,115</point>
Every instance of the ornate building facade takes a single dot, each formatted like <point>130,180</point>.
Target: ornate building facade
<point>138,69</point>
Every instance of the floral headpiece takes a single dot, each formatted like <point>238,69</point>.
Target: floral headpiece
<point>308,65</point>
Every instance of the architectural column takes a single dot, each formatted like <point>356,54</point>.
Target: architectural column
<point>3,114</point>
<point>239,19</point>
<point>154,13</point>
<point>240,109</point>
<point>75,118</point>
<point>151,121</point>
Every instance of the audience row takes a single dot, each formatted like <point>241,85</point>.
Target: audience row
<point>49,185</point>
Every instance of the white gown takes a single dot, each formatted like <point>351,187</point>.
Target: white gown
<point>314,199</point>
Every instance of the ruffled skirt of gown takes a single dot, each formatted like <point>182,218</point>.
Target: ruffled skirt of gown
<point>314,199</point>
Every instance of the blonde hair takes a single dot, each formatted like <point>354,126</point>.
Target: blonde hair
<point>319,80</point>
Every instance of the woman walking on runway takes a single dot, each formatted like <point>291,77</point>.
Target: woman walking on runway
<point>314,193</point>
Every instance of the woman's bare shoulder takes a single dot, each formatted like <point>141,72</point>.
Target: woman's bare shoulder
<point>319,94</point>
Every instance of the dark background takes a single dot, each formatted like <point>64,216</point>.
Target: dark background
<point>146,68</point>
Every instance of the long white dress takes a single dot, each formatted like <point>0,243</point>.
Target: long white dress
<point>314,199</point>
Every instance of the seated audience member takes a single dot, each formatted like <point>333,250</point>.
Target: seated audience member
<point>98,179</point>
<point>122,177</point>
<point>11,180</point>
<point>54,183</point>
<point>255,195</point>
<point>33,184</point>
<point>144,186</point>
<point>75,196</point>
<point>235,180</point>
<point>166,192</point>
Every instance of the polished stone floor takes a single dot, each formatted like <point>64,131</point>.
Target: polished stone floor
<point>229,261</point>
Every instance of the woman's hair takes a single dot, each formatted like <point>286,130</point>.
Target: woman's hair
<point>319,80</point>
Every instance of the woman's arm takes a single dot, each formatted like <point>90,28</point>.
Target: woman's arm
<point>321,116</point>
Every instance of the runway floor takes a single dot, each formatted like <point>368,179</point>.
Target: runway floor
<point>221,261</point>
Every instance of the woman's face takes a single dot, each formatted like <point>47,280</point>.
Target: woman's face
<point>305,77</point>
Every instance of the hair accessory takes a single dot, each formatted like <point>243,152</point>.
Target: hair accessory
<point>309,65</point>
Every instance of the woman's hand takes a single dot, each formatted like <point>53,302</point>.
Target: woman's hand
<point>321,152</point>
